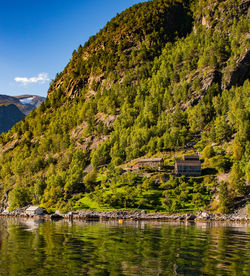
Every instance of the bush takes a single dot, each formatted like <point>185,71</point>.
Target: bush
<point>224,198</point>
<point>19,197</point>
<point>220,163</point>
<point>208,152</point>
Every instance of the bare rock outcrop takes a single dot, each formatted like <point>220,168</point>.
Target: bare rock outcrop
<point>240,73</point>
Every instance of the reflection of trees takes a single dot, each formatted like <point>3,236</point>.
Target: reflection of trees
<point>61,248</point>
<point>3,231</point>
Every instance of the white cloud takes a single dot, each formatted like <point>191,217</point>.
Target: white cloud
<point>42,78</point>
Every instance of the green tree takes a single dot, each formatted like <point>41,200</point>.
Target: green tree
<point>224,198</point>
<point>19,197</point>
<point>236,180</point>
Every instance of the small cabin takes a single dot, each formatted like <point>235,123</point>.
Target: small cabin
<point>150,162</point>
<point>34,210</point>
<point>190,166</point>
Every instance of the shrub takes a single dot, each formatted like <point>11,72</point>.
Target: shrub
<point>208,152</point>
<point>224,198</point>
<point>19,197</point>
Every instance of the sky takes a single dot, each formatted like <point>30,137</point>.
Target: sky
<point>38,37</point>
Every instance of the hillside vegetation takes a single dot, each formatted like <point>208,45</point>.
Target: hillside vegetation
<point>160,79</point>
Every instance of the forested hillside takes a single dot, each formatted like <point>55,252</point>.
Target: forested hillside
<point>160,79</point>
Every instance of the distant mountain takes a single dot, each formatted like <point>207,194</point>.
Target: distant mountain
<point>14,109</point>
<point>25,103</point>
<point>9,115</point>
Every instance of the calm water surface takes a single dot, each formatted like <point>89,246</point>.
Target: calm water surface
<point>29,247</point>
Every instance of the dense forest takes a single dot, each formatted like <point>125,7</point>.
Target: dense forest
<point>162,79</point>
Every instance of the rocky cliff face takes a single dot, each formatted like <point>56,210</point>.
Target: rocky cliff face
<point>239,73</point>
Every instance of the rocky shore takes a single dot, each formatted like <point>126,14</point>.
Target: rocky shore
<point>128,215</point>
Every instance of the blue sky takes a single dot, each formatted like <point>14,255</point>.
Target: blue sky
<point>37,38</point>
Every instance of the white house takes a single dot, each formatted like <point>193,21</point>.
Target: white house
<point>34,210</point>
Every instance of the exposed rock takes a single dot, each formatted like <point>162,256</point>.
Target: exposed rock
<point>209,19</point>
<point>106,119</point>
<point>204,215</point>
<point>181,217</point>
<point>241,212</point>
<point>209,79</point>
<point>56,217</point>
<point>190,217</point>
<point>88,169</point>
<point>240,73</point>
<point>204,22</point>
<point>223,177</point>
<point>212,76</point>
<point>74,88</point>
<point>131,215</point>
<point>4,201</point>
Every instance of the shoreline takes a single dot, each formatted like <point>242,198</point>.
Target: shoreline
<point>129,215</point>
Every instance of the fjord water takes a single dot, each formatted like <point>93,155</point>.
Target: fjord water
<point>30,247</point>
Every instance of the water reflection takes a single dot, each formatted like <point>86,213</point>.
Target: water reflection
<point>32,247</point>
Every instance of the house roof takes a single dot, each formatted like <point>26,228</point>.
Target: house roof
<point>189,163</point>
<point>33,208</point>
<point>150,160</point>
<point>191,157</point>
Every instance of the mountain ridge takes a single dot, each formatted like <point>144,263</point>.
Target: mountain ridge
<point>133,36</point>
<point>26,107</point>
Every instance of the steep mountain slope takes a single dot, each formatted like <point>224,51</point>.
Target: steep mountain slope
<point>126,44</point>
<point>160,78</point>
